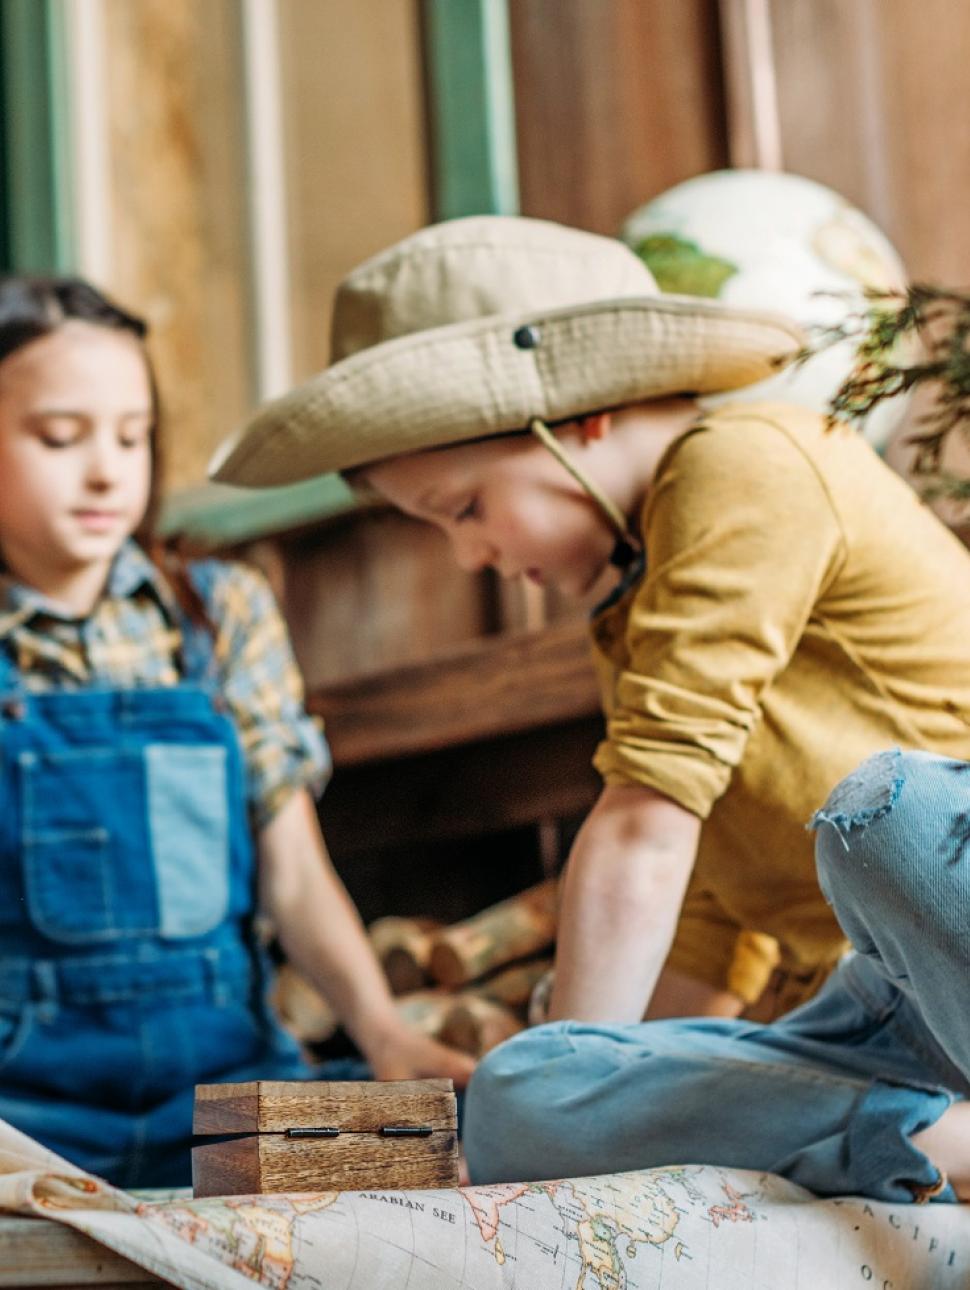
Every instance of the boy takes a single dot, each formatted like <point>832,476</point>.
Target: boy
<point>798,610</point>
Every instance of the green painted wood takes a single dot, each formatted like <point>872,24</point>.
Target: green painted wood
<point>216,515</point>
<point>36,210</point>
<point>471,108</point>
<point>65,248</point>
<point>6,252</point>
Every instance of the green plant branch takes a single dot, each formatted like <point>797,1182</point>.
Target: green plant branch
<point>903,341</point>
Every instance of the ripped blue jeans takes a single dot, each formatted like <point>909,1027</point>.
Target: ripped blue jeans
<point>829,1096</point>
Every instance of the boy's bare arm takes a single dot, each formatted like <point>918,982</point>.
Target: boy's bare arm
<point>625,883</point>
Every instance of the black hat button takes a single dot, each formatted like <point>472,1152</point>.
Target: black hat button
<point>528,337</point>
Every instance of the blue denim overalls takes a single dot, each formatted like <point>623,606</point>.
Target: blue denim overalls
<point>128,970</point>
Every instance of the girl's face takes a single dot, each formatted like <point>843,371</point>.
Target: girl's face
<point>504,503</point>
<point>75,458</point>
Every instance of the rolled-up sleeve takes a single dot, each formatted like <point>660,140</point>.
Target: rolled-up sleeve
<point>742,540</point>
<point>284,748</point>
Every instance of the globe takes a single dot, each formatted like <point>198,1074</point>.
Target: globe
<point>769,240</point>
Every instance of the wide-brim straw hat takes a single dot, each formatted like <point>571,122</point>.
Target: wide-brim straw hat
<point>476,326</point>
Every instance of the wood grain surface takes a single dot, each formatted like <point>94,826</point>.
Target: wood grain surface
<point>272,1106</point>
<point>869,97</point>
<point>379,590</point>
<point>353,1162</point>
<point>403,948</point>
<point>491,687</point>
<point>615,101</point>
<point>177,200</point>
<point>41,1252</point>
<point>476,1025</point>
<point>522,925</point>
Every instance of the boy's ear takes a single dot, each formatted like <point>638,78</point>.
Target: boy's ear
<point>594,426</point>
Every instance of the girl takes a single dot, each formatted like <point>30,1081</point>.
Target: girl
<point>788,609</point>
<point>153,746</point>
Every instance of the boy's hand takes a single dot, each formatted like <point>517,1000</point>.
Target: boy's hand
<point>403,1053</point>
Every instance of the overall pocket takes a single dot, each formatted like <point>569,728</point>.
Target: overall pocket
<point>76,850</point>
<point>188,821</point>
<point>123,843</point>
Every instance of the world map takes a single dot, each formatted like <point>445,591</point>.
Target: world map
<point>666,1228</point>
<point>677,1228</point>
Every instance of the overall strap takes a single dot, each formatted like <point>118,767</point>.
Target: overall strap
<point>9,673</point>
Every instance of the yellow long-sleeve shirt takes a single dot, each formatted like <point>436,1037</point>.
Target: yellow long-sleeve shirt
<point>801,609</point>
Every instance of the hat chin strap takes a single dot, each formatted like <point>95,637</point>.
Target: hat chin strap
<point>625,548</point>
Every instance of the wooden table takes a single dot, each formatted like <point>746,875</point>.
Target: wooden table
<point>43,1252</point>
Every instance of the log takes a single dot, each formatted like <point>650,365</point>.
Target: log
<point>310,1019</point>
<point>513,929</point>
<point>513,986</point>
<point>475,1025</point>
<point>302,1009</point>
<point>403,946</point>
<point>425,1010</point>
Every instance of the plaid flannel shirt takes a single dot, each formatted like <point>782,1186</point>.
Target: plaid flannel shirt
<point>131,639</point>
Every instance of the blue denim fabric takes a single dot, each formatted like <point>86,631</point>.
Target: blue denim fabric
<point>128,971</point>
<point>830,1095</point>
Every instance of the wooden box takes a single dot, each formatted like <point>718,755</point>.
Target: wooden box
<point>281,1135</point>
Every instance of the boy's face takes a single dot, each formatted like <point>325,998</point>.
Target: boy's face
<point>75,459</point>
<point>507,504</point>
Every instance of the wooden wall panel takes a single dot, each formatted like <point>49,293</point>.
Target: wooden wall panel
<point>873,98</point>
<point>356,157</point>
<point>926,51</point>
<point>615,101</point>
<point>377,591</point>
<point>177,211</point>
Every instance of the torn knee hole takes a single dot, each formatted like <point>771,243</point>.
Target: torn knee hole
<point>867,794</point>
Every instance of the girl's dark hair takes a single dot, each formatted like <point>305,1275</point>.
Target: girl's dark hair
<point>32,307</point>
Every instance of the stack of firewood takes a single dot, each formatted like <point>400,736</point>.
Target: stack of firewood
<point>468,984</point>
